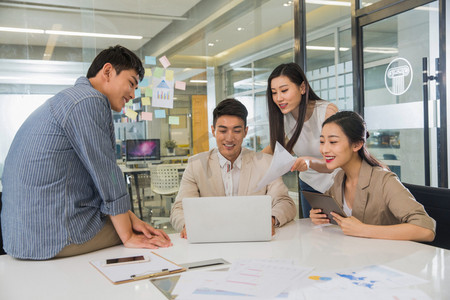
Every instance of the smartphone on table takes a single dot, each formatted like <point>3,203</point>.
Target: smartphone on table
<point>126,260</point>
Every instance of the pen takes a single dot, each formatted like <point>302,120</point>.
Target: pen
<point>150,274</point>
<point>207,265</point>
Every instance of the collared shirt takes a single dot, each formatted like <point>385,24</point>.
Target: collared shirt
<point>61,177</point>
<point>230,174</point>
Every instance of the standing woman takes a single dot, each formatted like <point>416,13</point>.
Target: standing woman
<point>375,201</point>
<point>296,115</point>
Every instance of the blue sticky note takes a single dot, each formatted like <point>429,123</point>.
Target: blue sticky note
<point>150,60</point>
<point>144,82</point>
<point>160,113</point>
<point>137,93</point>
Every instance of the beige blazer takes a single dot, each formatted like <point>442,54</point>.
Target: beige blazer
<point>381,199</point>
<point>203,178</point>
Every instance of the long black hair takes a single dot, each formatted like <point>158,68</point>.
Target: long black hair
<point>276,122</point>
<point>354,127</point>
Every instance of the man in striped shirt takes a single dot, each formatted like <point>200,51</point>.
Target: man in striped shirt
<point>63,193</point>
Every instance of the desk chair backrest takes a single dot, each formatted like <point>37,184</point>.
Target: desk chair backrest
<point>437,204</point>
<point>164,180</point>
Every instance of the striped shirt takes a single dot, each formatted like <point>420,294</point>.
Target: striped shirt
<point>60,176</point>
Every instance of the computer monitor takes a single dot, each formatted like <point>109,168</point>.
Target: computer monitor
<point>143,150</point>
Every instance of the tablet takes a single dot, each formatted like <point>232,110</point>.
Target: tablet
<point>327,203</point>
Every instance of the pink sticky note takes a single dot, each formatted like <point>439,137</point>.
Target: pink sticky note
<point>146,116</point>
<point>180,85</point>
<point>164,61</point>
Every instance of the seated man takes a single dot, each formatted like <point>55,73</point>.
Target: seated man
<point>63,193</point>
<point>230,170</point>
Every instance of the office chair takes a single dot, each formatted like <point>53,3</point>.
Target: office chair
<point>165,182</point>
<point>1,238</point>
<point>436,202</point>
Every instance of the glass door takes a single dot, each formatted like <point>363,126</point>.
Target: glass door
<point>401,99</point>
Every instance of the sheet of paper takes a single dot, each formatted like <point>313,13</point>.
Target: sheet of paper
<point>144,83</point>
<point>164,61</point>
<point>169,75</point>
<point>137,93</point>
<point>124,272</point>
<point>282,163</point>
<point>148,92</point>
<point>147,116</point>
<point>260,279</point>
<point>145,100</point>
<point>131,114</point>
<point>180,85</point>
<point>174,120</point>
<point>160,113</point>
<point>148,72</point>
<point>150,60</point>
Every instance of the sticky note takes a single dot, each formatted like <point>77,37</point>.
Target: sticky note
<point>137,93</point>
<point>169,75</point>
<point>164,61</point>
<point>160,113</point>
<point>148,116</point>
<point>158,72</point>
<point>180,85</point>
<point>144,83</point>
<point>145,101</point>
<point>148,72</point>
<point>173,120</point>
<point>129,103</point>
<point>131,114</point>
<point>150,60</point>
<point>148,92</point>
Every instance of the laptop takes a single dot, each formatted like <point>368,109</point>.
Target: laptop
<point>228,219</point>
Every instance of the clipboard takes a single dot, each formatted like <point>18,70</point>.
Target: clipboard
<point>156,267</point>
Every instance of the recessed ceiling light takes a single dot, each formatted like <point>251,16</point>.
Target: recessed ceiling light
<point>211,44</point>
<point>240,28</point>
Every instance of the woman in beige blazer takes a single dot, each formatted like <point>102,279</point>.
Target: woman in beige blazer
<point>377,203</point>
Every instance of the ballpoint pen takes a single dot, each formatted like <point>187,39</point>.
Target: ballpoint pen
<point>150,274</point>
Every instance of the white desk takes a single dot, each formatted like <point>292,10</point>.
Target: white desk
<point>325,249</point>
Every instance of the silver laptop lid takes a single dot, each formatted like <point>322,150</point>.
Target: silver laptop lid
<point>228,219</point>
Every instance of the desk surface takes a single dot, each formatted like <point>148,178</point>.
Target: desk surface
<point>325,249</point>
<point>126,169</point>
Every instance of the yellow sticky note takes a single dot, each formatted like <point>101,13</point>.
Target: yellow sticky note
<point>169,75</point>
<point>148,72</point>
<point>145,101</point>
<point>131,114</point>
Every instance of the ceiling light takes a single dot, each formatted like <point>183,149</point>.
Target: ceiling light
<point>328,2</point>
<point>211,44</point>
<point>198,81</point>
<point>89,34</point>
<point>240,28</point>
<point>384,50</point>
<point>326,48</point>
<point>25,30</point>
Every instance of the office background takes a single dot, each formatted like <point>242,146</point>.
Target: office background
<point>228,49</point>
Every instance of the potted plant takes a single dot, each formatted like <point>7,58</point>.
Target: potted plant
<point>170,145</point>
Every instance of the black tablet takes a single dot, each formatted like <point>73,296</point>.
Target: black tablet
<point>327,203</point>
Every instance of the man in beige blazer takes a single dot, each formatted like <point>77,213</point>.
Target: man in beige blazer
<point>230,170</point>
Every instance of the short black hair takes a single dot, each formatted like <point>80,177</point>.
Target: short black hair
<point>120,58</point>
<point>230,107</point>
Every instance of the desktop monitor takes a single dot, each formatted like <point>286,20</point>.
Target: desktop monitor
<point>143,150</point>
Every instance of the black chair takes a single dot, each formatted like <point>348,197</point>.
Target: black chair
<point>1,238</point>
<point>437,204</point>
